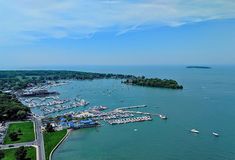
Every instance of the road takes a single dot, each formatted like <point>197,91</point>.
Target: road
<point>17,145</point>
<point>39,139</point>
<point>39,142</point>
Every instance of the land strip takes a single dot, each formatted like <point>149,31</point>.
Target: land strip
<point>51,139</point>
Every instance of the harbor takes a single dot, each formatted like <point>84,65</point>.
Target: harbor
<point>52,109</point>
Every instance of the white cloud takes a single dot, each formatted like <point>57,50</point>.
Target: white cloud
<point>28,20</point>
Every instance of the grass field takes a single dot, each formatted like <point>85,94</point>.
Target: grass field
<point>27,132</point>
<point>10,154</point>
<point>51,140</point>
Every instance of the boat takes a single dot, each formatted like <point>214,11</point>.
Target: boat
<point>194,131</point>
<point>215,134</point>
<point>80,103</point>
<point>163,117</point>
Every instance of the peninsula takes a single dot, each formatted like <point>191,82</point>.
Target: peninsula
<point>154,82</point>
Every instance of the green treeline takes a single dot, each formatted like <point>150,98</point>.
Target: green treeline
<point>15,80</point>
<point>154,82</point>
<point>11,108</point>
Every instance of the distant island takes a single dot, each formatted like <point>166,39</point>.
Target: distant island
<point>199,67</point>
<point>18,80</point>
<point>154,82</point>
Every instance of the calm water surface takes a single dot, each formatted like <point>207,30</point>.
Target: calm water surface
<point>207,103</point>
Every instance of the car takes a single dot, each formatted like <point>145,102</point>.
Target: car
<point>11,146</point>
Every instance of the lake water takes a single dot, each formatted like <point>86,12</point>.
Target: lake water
<point>206,103</point>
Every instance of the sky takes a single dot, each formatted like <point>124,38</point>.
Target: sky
<point>116,32</point>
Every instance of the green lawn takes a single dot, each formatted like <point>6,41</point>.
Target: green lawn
<point>27,132</point>
<point>51,140</point>
<point>10,154</point>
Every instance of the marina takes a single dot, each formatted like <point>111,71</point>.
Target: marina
<point>60,108</point>
<point>54,106</point>
<point>97,114</point>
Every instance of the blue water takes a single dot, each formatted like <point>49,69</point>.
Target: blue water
<point>206,103</point>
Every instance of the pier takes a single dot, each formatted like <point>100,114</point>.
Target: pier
<point>132,107</point>
<point>164,117</point>
<point>130,120</point>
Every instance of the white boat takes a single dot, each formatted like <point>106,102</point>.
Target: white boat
<point>194,131</point>
<point>163,117</point>
<point>215,134</point>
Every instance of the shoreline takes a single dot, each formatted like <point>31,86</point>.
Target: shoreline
<point>58,144</point>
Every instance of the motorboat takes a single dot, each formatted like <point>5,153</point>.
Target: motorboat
<point>163,117</point>
<point>215,134</point>
<point>194,131</point>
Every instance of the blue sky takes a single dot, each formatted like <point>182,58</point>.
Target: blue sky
<point>116,32</point>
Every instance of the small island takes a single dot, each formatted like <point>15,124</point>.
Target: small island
<point>199,67</point>
<point>154,82</point>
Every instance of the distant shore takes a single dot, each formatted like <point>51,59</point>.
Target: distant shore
<point>199,67</point>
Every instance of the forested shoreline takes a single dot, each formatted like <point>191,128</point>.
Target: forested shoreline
<point>17,80</point>
<point>154,82</point>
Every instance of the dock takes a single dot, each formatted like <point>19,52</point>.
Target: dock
<point>132,107</point>
<point>164,117</point>
<point>130,120</point>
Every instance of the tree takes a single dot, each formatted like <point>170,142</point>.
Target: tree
<point>49,128</point>
<point>21,114</point>
<point>19,131</point>
<point>11,108</point>
<point>21,153</point>
<point>2,154</point>
<point>13,136</point>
